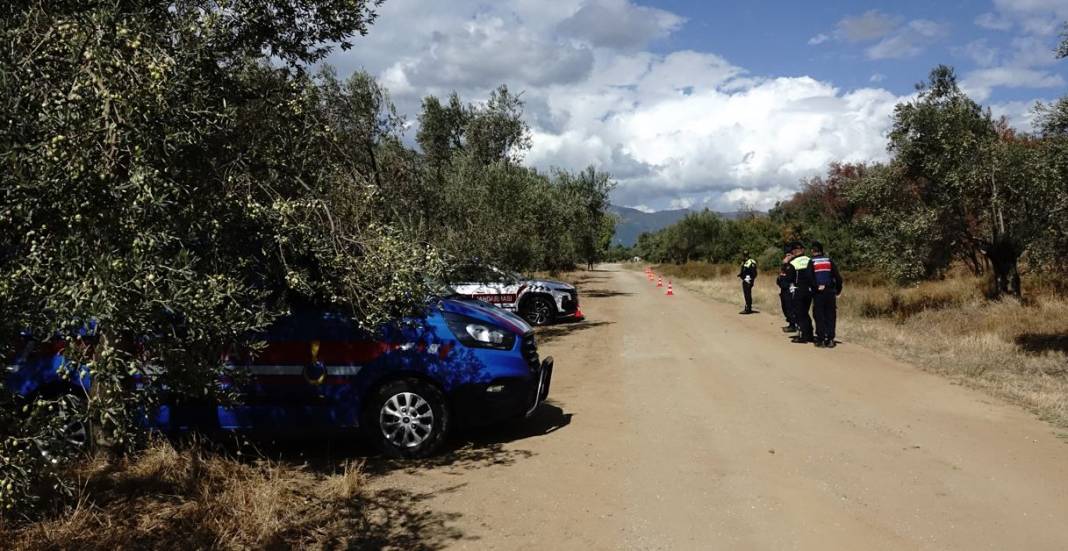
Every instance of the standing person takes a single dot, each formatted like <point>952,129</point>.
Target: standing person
<point>801,290</point>
<point>748,275</point>
<point>784,289</point>
<point>827,286</point>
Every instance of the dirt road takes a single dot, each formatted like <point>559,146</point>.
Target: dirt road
<point>677,424</point>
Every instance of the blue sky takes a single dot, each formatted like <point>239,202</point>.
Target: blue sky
<point>772,37</point>
<point>722,105</point>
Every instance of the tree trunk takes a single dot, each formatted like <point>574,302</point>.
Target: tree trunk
<point>975,264</point>
<point>374,165</point>
<point>1006,276</point>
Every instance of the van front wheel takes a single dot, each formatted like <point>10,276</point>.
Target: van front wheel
<point>407,418</point>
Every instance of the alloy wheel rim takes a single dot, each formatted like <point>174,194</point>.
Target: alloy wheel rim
<point>75,430</point>
<point>540,312</point>
<point>76,433</point>
<point>406,419</point>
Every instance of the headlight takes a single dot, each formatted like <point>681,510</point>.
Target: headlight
<point>479,334</point>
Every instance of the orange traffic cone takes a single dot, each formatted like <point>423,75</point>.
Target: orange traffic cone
<point>579,316</point>
<point>660,282</point>
<point>670,292</point>
<point>649,275</point>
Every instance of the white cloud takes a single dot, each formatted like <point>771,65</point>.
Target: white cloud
<point>818,39</point>
<point>762,135</point>
<point>1019,114</point>
<point>1023,64</point>
<point>683,126</point>
<point>1041,17</point>
<point>890,36</point>
<point>741,198</point>
<point>490,50</point>
<point>1031,51</point>
<point>877,77</point>
<point>871,25</point>
<point>681,203</point>
<point>979,84</point>
<point>619,24</point>
<point>979,52</point>
<point>908,41</point>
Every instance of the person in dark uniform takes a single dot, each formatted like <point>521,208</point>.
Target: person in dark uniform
<point>801,291</point>
<point>784,289</point>
<point>748,275</point>
<point>827,285</point>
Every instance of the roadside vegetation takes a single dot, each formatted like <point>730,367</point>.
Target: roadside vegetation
<point>174,176</point>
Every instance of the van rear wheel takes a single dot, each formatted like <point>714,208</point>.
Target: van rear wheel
<point>407,418</point>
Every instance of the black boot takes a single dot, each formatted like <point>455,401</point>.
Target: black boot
<point>831,343</point>
<point>790,329</point>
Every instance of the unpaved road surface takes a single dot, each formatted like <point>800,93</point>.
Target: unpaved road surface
<point>675,423</point>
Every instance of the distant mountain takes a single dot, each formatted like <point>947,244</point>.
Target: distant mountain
<point>633,222</point>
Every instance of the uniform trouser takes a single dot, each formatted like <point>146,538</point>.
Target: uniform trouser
<point>825,310</point>
<point>747,292</point>
<point>784,302</point>
<point>802,304</point>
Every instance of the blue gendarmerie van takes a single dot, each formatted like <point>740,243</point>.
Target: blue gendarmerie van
<point>463,362</point>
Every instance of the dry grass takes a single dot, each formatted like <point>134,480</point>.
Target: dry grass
<point>169,498</point>
<point>1016,350</point>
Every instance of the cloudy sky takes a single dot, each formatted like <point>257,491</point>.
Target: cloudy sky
<point>711,104</point>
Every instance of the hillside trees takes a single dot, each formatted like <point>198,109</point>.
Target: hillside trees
<point>707,237</point>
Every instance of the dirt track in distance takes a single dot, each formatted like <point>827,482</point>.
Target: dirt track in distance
<point>675,423</point>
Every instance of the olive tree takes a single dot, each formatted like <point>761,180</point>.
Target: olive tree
<point>978,186</point>
<point>169,183</point>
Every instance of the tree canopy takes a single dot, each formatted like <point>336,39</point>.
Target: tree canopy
<point>173,178</point>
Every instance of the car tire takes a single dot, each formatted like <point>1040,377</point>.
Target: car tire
<point>80,431</point>
<point>407,419</point>
<point>538,310</point>
<point>72,406</point>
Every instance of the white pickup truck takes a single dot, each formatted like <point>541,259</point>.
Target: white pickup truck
<point>539,301</point>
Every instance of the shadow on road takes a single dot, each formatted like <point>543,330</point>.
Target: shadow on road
<point>604,293</point>
<point>476,448</point>
<point>395,519</point>
<point>584,278</point>
<point>549,334</point>
<point>468,448</point>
